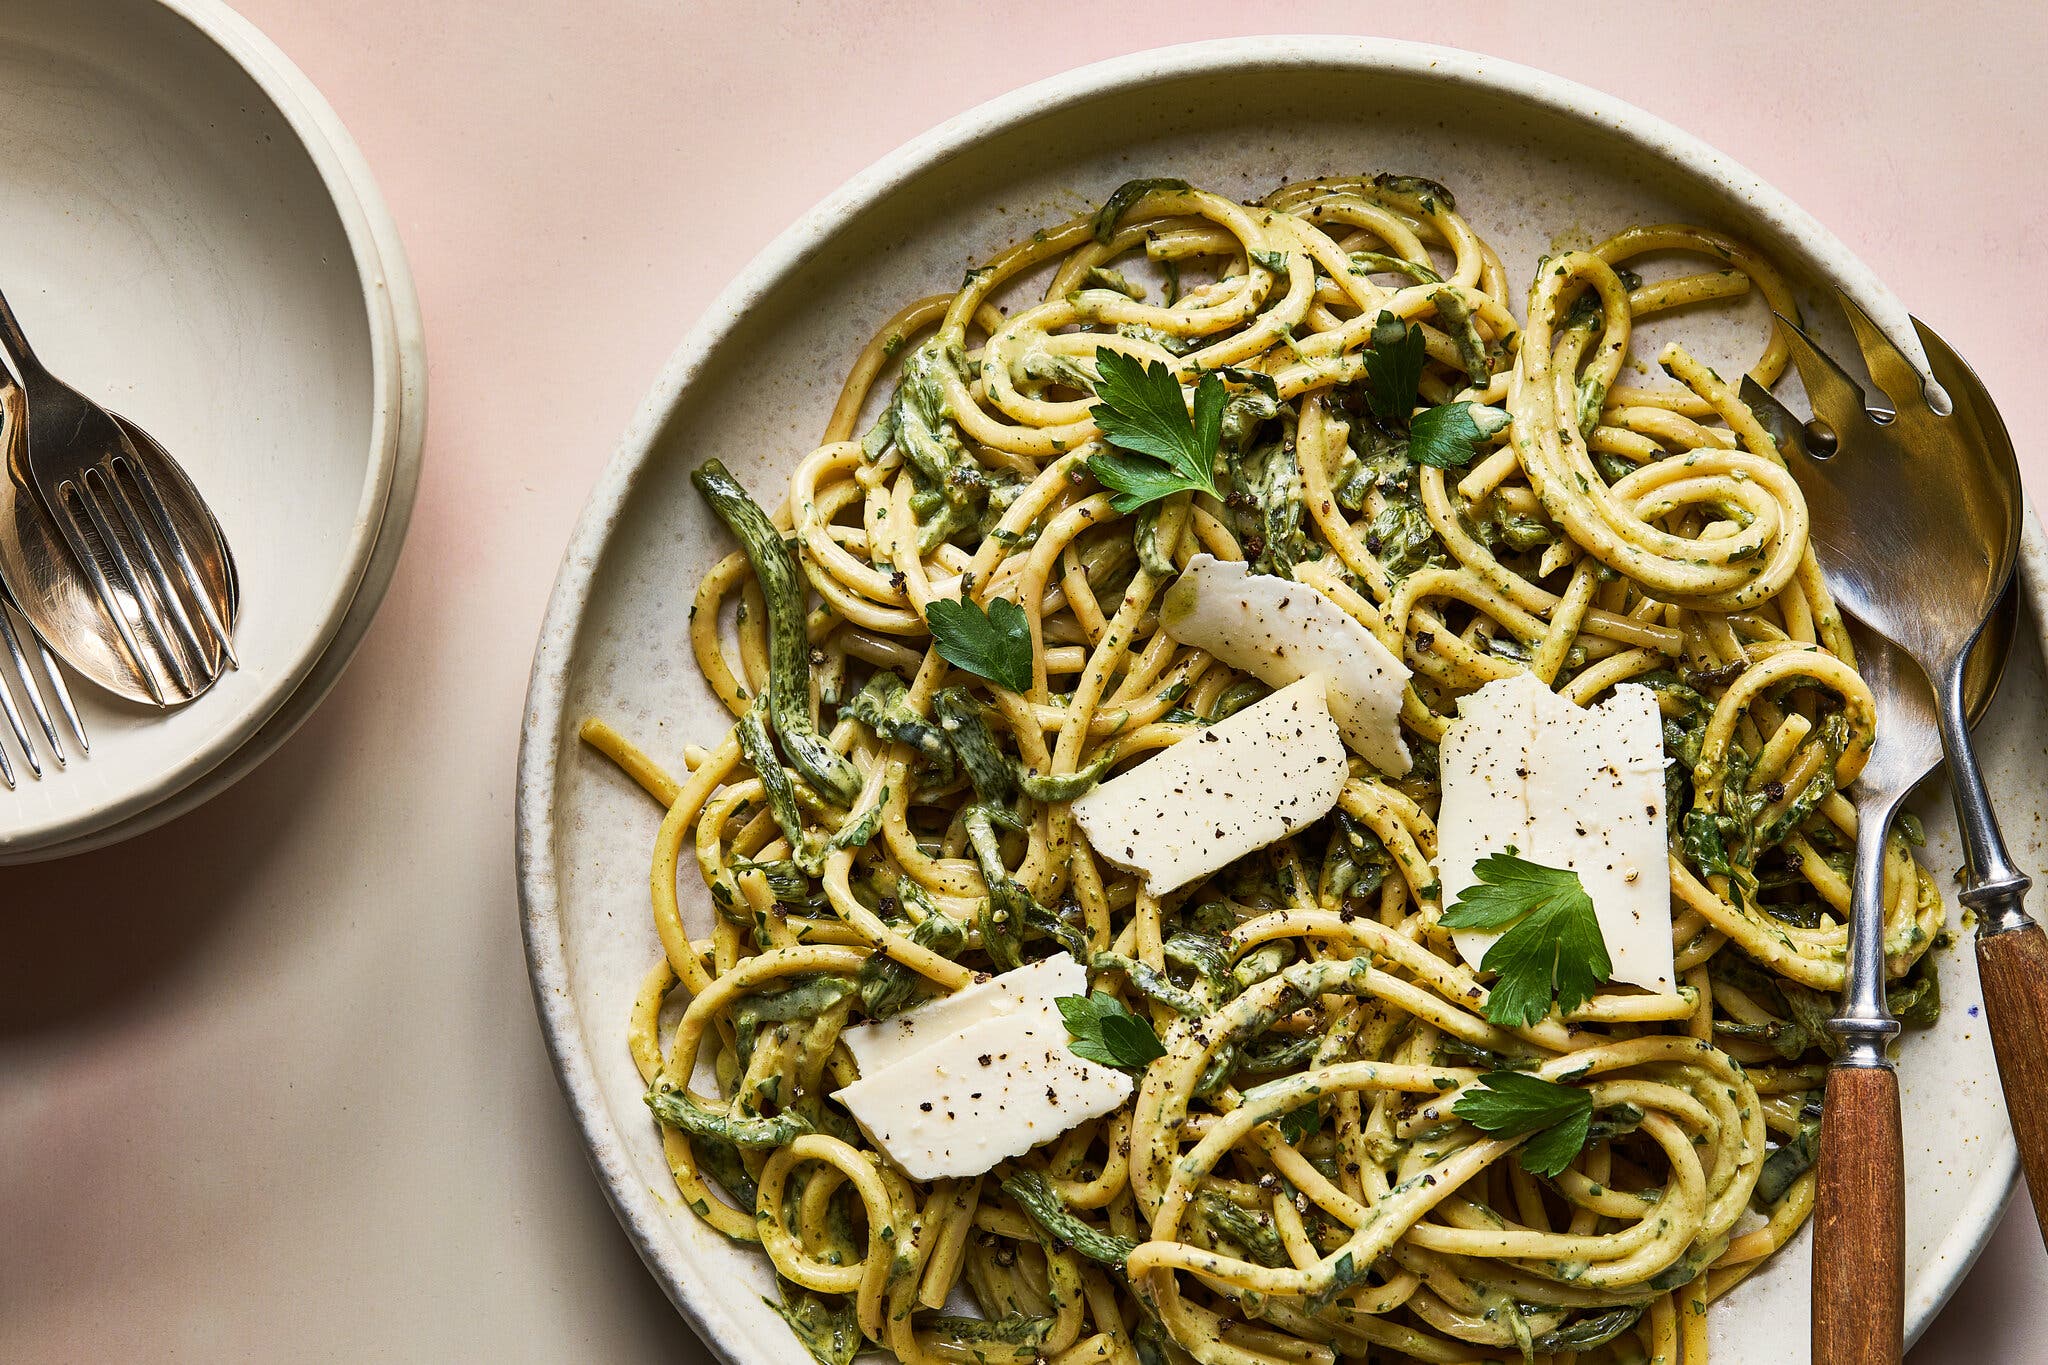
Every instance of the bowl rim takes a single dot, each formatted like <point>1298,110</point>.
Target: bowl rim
<point>633,1201</point>
<point>352,197</point>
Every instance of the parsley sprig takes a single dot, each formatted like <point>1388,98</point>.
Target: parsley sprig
<point>1161,448</point>
<point>1509,1104</point>
<point>1555,947</point>
<point>1104,1031</point>
<point>994,644</point>
<point>1447,435</point>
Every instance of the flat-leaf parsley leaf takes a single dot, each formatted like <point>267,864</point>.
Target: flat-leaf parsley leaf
<point>1104,1031</point>
<point>1510,1104</point>
<point>1555,946</point>
<point>1393,369</point>
<point>993,644</point>
<point>1448,435</point>
<point>1161,448</point>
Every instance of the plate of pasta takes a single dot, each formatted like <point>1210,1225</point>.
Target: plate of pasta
<point>1258,777</point>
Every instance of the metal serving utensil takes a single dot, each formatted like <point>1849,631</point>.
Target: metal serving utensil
<point>25,689</point>
<point>1917,516</point>
<point>111,551</point>
<point>1862,1162</point>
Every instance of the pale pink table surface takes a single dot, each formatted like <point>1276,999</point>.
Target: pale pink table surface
<point>270,1082</point>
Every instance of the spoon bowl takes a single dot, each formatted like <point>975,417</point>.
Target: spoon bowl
<point>59,603</point>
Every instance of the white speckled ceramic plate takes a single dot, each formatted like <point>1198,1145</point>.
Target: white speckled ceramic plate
<point>1535,162</point>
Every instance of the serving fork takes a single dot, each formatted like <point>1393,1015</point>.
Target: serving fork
<point>93,487</point>
<point>1917,516</point>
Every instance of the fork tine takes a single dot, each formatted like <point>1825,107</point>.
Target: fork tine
<point>64,702</point>
<point>28,678</point>
<point>1837,399</point>
<point>152,617</point>
<point>145,483</point>
<point>153,565</point>
<point>14,721</point>
<point>1888,366</point>
<point>110,602</point>
<point>1784,427</point>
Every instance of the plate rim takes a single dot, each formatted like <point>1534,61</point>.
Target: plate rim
<point>351,195</point>
<point>632,1200</point>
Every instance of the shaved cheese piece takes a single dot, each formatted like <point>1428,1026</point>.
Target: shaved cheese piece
<point>991,1077</point>
<point>1485,758</point>
<point>1280,631</point>
<point>1028,990</point>
<point>1238,786</point>
<point>1569,787</point>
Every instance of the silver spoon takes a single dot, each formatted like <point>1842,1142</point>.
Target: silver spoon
<point>66,608</point>
<point>1917,514</point>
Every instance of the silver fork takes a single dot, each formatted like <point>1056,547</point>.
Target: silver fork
<point>24,682</point>
<point>93,486</point>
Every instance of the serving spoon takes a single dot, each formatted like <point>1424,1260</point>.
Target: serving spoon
<point>60,604</point>
<point>1917,515</point>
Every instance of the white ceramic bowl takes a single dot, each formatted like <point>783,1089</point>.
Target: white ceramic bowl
<point>401,318</point>
<point>186,241</point>
<point>1535,162</point>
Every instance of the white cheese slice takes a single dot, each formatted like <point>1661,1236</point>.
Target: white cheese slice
<point>1485,759</point>
<point>1281,631</point>
<point>971,1096</point>
<point>1569,787</point>
<point>1028,991</point>
<point>1234,788</point>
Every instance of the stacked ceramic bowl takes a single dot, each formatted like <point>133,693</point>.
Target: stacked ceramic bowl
<point>192,240</point>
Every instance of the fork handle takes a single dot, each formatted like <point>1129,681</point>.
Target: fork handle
<point>15,345</point>
<point>1859,1221</point>
<point>2013,969</point>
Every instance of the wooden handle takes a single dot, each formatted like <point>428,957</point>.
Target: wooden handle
<point>2014,969</point>
<point>1859,1222</point>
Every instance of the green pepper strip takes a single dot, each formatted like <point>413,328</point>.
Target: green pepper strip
<point>678,1110</point>
<point>789,653</point>
<point>1037,1198</point>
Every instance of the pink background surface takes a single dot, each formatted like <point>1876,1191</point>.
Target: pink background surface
<point>270,1083</point>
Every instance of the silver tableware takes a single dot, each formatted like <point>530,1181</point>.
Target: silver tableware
<point>110,549</point>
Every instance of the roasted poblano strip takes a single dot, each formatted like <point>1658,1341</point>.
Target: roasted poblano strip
<point>1011,1329</point>
<point>806,850</point>
<point>720,1160</point>
<point>827,1324</point>
<point>1916,1001</point>
<point>804,999</point>
<point>1585,1333</point>
<point>786,881</point>
<point>789,650</point>
<point>888,987</point>
<point>1380,263</point>
<point>965,726</point>
<point>1064,786</point>
<point>1036,1197</point>
<point>1457,320</point>
<point>678,1110</point>
<point>883,705</point>
<point>1123,199</point>
<point>1790,1161</point>
<point>1253,1233</point>
<point>1007,909</point>
<point>1152,984</point>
